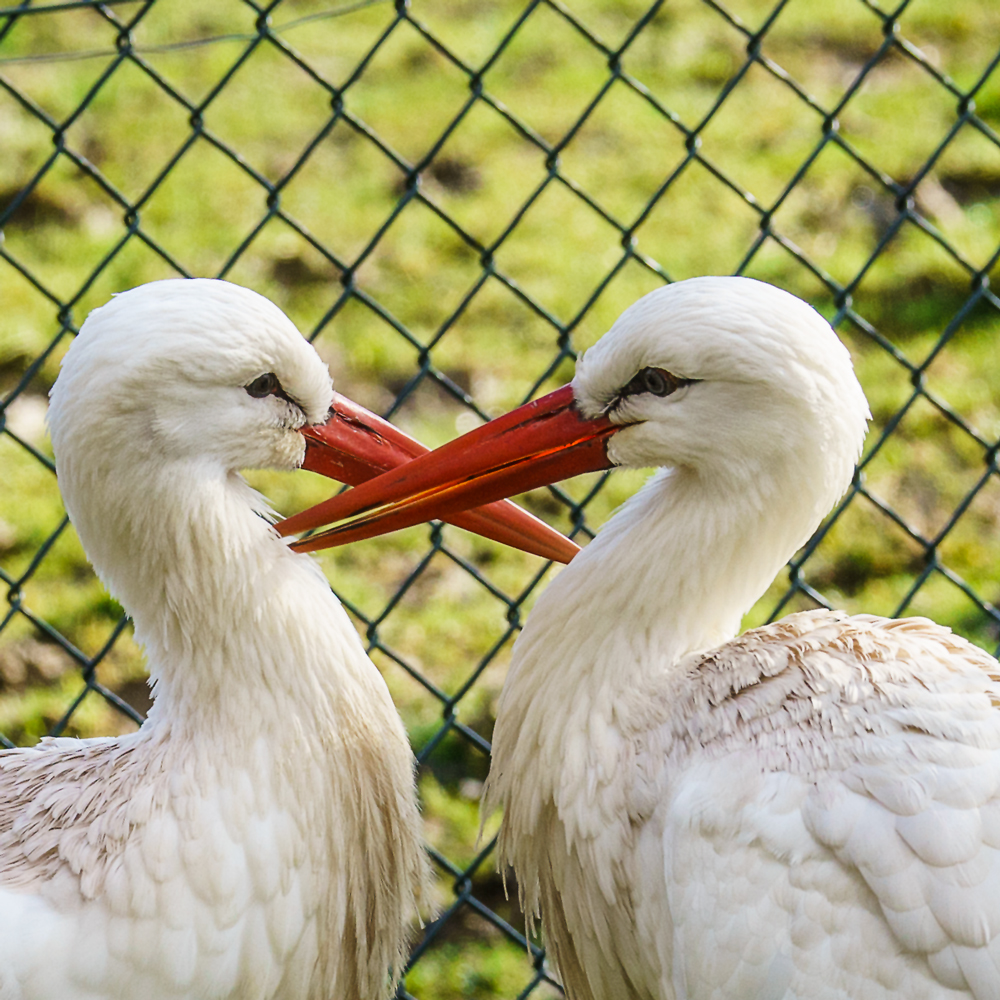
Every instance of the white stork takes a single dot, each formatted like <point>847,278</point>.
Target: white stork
<point>257,838</point>
<point>809,811</point>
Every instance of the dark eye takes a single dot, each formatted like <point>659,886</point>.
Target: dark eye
<point>264,385</point>
<point>656,381</point>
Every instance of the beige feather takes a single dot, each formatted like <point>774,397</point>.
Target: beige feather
<point>810,810</point>
<point>258,837</point>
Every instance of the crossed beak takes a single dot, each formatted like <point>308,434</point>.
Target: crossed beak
<point>464,482</point>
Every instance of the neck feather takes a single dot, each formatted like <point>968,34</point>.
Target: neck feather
<point>685,559</point>
<point>673,572</point>
<point>231,618</point>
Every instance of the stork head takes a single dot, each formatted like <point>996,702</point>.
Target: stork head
<point>730,378</point>
<point>187,373</point>
<point>731,381</point>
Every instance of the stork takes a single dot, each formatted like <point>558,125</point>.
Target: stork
<point>806,811</point>
<point>258,837</point>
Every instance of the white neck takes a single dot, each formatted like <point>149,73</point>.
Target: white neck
<point>674,571</point>
<point>231,619</point>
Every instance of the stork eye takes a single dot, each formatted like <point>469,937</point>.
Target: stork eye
<point>264,385</point>
<point>656,381</point>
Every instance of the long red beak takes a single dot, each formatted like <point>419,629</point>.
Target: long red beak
<point>355,445</point>
<point>537,444</point>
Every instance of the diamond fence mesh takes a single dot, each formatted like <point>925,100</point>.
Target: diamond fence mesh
<point>451,200</point>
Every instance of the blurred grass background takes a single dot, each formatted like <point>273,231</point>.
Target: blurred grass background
<point>452,198</point>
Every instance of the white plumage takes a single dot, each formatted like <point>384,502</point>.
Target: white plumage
<point>810,811</point>
<point>258,836</point>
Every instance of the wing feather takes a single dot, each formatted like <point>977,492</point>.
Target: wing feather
<point>831,820</point>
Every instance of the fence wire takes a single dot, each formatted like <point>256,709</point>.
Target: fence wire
<point>865,193</point>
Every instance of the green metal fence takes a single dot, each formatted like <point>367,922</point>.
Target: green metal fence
<point>421,185</point>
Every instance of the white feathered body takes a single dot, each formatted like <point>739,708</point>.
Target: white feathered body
<point>810,811</point>
<point>260,843</point>
<point>258,837</point>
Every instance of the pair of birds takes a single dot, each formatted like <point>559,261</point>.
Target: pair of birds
<point>811,810</point>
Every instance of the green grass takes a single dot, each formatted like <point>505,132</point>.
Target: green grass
<point>559,253</point>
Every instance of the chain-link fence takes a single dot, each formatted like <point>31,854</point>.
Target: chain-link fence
<point>451,199</point>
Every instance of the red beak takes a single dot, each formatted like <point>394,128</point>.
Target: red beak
<point>537,444</point>
<point>355,445</point>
